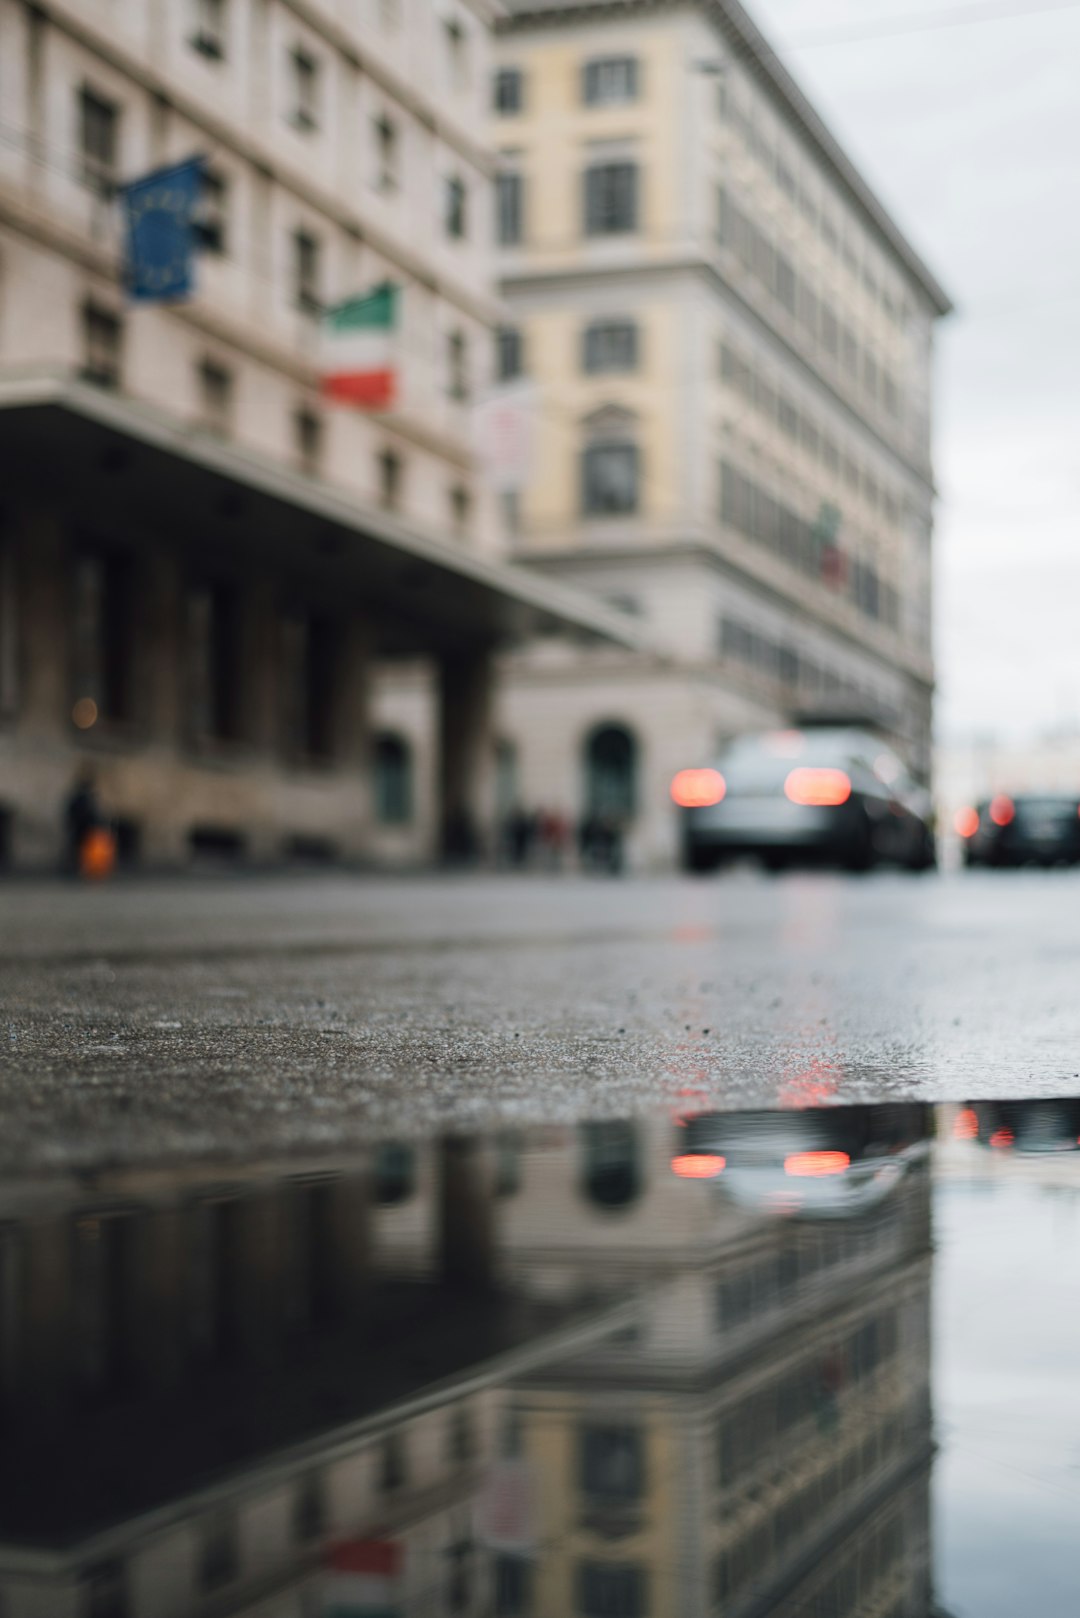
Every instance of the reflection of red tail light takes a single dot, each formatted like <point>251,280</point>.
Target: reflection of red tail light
<point>1002,810</point>
<point>698,789</point>
<point>823,789</point>
<point>966,1124</point>
<point>698,1165</point>
<point>814,1165</point>
<point>966,823</point>
<point>1002,1138</point>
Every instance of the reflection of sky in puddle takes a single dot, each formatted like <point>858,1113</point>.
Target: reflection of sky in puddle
<point>1007,1390</point>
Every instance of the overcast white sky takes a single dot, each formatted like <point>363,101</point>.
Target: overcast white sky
<point>970,134</point>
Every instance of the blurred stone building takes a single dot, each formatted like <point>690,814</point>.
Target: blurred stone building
<point>200,566</point>
<point>729,341</point>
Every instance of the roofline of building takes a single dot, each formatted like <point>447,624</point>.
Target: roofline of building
<point>558,606</point>
<point>752,48</point>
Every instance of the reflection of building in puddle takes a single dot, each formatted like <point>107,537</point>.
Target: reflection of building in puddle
<point>209,1375</point>
<point>760,1441</point>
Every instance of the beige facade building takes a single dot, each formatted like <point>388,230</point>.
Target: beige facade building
<point>200,566</point>
<point>730,345</point>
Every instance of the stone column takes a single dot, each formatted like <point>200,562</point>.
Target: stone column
<point>466,1213</point>
<point>46,1370</point>
<point>38,787</point>
<point>44,574</point>
<point>352,734</point>
<point>160,1321</point>
<point>466,754</point>
<point>354,1239</point>
<point>161,660</point>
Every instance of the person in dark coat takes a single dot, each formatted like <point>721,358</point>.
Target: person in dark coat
<point>82,815</point>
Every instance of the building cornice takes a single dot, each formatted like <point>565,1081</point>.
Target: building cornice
<point>829,615</point>
<point>752,50</point>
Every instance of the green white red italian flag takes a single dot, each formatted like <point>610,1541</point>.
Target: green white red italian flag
<point>362,1579</point>
<point>360,361</point>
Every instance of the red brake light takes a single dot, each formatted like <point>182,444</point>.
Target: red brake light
<point>698,1165</point>
<point>1002,1138</point>
<point>966,823</point>
<point>812,1165</point>
<point>966,1124</point>
<point>820,788</point>
<point>698,789</point>
<point>1002,810</point>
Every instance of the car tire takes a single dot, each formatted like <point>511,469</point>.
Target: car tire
<point>861,854</point>
<point>924,857</point>
<point>699,861</point>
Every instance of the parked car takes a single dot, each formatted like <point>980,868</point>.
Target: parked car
<point>1041,828</point>
<point>1035,1127</point>
<point>835,793</point>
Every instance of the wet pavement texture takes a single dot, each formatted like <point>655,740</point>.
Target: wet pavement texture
<point>160,1016</point>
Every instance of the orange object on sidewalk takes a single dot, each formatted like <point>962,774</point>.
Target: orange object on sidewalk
<point>97,854</point>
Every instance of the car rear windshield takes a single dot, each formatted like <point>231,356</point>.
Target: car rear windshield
<point>763,763</point>
<point>1041,808</point>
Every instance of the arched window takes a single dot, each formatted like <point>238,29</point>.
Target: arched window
<point>393,780</point>
<point>611,772</point>
<point>610,467</point>
<point>612,1163</point>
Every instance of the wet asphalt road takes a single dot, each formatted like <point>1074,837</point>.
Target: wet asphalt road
<point>214,1014</point>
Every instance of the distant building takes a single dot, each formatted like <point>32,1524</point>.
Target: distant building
<point>200,565</point>
<point>730,341</point>
<point>969,771</point>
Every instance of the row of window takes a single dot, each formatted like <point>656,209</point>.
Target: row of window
<point>103,352</point>
<point>758,1432</point>
<point>801,427</point>
<point>100,161</point>
<point>608,347</point>
<point>809,545</point>
<point>610,196</point>
<point>611,80</point>
<point>606,81</point>
<point>775,271</point>
<point>850,1588</point>
<point>210,35</point>
<point>752,1560</point>
<point>765,1283</point>
<point>778,660</point>
<point>219,1563</point>
<point>820,218</point>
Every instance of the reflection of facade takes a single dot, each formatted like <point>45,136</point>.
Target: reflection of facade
<point>760,1442</point>
<point>210,1372</point>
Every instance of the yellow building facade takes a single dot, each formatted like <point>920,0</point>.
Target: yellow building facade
<point>728,343</point>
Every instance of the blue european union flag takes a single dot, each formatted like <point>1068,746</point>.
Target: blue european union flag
<point>160,210</point>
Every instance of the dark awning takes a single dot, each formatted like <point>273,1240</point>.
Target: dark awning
<point>113,460</point>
